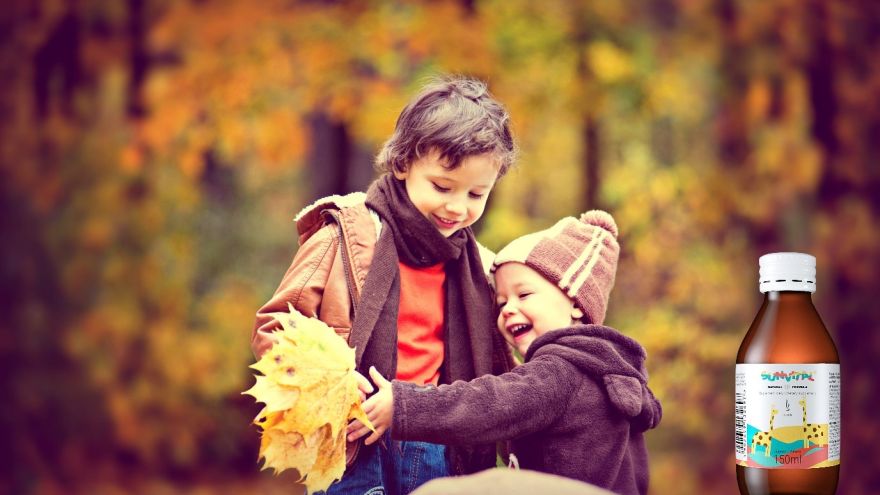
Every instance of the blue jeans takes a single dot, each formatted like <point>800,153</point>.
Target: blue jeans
<point>392,468</point>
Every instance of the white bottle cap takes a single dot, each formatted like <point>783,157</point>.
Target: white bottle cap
<point>787,271</point>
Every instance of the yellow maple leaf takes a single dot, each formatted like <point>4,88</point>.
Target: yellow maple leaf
<point>276,396</point>
<point>330,465</point>
<point>290,449</point>
<point>310,392</point>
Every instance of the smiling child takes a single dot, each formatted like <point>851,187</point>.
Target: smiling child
<point>579,406</point>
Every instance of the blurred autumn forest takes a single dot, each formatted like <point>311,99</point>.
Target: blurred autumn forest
<point>154,153</point>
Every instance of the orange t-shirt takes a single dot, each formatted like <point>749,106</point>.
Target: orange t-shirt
<point>420,347</point>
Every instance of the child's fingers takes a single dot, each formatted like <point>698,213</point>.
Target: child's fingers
<point>364,385</point>
<point>354,425</point>
<point>377,377</point>
<point>375,436</point>
<point>355,433</point>
<point>359,433</point>
<point>371,412</point>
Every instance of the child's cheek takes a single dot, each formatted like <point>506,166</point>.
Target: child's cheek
<point>478,212</point>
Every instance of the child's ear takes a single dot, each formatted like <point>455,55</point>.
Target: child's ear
<point>401,175</point>
<point>576,313</point>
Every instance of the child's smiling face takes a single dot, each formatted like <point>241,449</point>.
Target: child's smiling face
<point>450,199</point>
<point>530,305</point>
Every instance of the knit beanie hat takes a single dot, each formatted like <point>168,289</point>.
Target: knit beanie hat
<point>579,256</point>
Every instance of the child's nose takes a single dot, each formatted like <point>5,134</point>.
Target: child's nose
<point>508,309</point>
<point>455,207</point>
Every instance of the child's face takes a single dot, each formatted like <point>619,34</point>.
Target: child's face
<point>450,199</point>
<point>530,305</point>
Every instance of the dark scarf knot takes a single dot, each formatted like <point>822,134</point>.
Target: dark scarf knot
<point>419,243</point>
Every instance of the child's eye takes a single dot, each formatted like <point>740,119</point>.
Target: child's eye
<point>440,188</point>
<point>476,195</point>
<point>524,295</point>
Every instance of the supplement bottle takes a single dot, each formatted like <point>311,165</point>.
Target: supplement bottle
<point>787,418</point>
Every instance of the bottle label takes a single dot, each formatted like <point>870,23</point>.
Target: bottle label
<point>787,415</point>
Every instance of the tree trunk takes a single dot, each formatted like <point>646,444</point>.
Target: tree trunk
<point>590,128</point>
<point>138,58</point>
<point>58,59</point>
<point>591,162</point>
<point>732,131</point>
<point>336,164</point>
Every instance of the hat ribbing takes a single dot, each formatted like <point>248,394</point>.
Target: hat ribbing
<point>579,256</point>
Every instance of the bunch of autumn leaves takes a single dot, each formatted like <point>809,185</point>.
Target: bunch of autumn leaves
<point>310,392</point>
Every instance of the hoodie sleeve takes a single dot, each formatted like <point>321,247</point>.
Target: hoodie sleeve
<point>486,409</point>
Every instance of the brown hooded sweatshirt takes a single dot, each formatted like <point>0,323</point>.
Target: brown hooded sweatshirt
<point>577,408</point>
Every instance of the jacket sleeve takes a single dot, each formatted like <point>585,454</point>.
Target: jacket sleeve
<point>302,286</point>
<point>486,409</point>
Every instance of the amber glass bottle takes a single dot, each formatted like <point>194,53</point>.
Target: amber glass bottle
<point>787,423</point>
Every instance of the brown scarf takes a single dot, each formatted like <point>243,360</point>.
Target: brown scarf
<point>473,347</point>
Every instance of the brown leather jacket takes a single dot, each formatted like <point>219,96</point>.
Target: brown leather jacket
<point>337,238</point>
<point>323,280</point>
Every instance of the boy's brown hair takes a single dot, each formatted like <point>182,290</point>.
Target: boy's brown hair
<point>458,117</point>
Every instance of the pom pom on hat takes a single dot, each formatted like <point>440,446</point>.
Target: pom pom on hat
<point>600,219</point>
<point>579,256</point>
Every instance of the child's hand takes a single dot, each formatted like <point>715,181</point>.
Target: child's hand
<point>364,385</point>
<point>379,408</point>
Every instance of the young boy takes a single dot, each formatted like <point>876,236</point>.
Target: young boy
<point>398,273</point>
<point>580,404</point>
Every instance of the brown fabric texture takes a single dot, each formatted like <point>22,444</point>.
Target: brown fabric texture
<point>578,408</point>
<point>337,237</point>
<point>473,348</point>
<point>412,239</point>
<point>578,255</point>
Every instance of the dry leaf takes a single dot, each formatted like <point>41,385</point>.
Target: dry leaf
<point>310,392</point>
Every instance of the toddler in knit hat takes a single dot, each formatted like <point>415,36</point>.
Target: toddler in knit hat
<point>579,405</point>
<point>577,257</point>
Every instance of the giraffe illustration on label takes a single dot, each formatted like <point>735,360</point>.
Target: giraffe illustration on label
<point>815,433</point>
<point>765,437</point>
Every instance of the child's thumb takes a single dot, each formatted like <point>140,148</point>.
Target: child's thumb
<point>378,379</point>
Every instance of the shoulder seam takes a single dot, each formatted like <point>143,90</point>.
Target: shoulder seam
<point>340,201</point>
